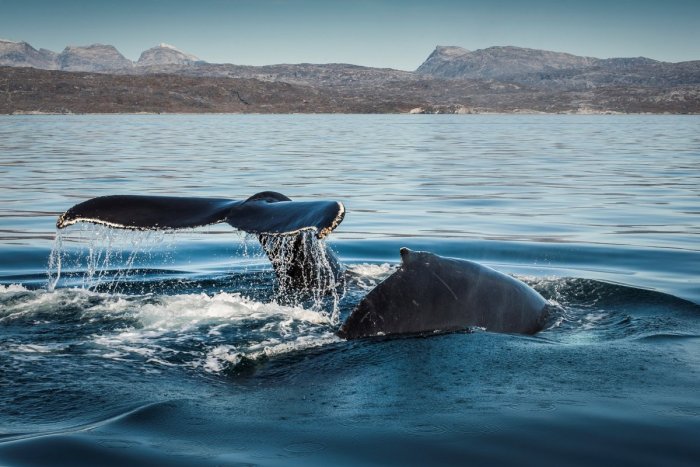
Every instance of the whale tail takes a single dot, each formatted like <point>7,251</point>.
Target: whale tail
<point>268,215</point>
<point>264,213</point>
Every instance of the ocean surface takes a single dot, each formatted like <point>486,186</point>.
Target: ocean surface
<point>177,348</point>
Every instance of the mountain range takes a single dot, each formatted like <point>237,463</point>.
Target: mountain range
<point>96,58</point>
<point>451,79</point>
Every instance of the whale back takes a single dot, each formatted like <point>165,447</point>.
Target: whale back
<point>429,293</point>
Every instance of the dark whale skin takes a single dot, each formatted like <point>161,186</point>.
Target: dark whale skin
<point>267,212</point>
<point>430,293</point>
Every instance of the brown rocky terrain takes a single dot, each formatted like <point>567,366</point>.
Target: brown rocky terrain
<point>30,90</point>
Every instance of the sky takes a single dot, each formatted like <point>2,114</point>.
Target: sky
<point>380,33</point>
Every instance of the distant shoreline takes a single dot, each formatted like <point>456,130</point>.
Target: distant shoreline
<point>524,113</point>
<point>26,90</point>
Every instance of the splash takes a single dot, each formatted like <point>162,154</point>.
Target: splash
<point>367,276</point>
<point>12,288</point>
<point>307,272</point>
<point>201,331</point>
<point>210,332</point>
<point>100,258</point>
<point>55,262</point>
<point>106,257</point>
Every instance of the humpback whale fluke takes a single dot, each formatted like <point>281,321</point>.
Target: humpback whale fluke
<point>267,214</point>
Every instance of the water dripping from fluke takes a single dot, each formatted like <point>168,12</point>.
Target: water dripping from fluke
<point>308,273</point>
<point>100,258</point>
<point>53,271</point>
<point>91,256</point>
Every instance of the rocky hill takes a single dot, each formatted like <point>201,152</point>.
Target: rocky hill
<point>554,70</point>
<point>165,55</point>
<point>497,62</point>
<point>22,54</point>
<point>96,58</point>
<point>331,75</point>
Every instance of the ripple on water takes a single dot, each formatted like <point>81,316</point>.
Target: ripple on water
<point>304,448</point>
<point>426,430</point>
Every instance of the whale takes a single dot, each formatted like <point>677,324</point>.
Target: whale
<point>426,294</point>
<point>287,230</point>
<point>429,294</point>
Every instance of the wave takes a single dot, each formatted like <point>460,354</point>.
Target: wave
<point>222,325</point>
<point>591,311</point>
<point>208,331</point>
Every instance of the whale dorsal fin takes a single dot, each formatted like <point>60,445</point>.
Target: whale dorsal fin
<point>409,257</point>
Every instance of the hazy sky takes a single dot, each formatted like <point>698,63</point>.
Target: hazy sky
<point>384,33</point>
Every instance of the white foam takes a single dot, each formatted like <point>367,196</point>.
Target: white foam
<point>39,301</point>
<point>197,331</point>
<point>372,271</point>
<point>36,348</point>
<point>167,326</point>
<point>593,320</point>
<point>185,311</point>
<point>217,357</point>
<point>221,356</point>
<point>169,312</point>
<point>367,276</point>
<point>12,288</point>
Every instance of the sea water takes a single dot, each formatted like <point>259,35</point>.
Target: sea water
<point>176,348</point>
